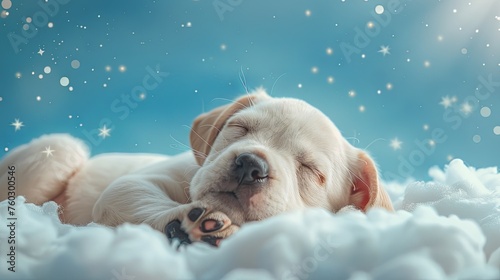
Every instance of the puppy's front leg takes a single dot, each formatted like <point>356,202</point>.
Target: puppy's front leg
<point>135,199</point>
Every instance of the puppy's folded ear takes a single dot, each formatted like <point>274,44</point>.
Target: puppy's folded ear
<point>366,192</point>
<point>207,126</point>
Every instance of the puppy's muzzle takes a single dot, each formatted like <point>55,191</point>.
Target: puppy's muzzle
<point>250,169</point>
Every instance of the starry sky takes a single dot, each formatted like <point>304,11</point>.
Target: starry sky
<point>415,85</point>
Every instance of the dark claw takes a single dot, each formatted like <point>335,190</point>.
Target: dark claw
<point>212,240</point>
<point>218,225</point>
<point>195,214</point>
<point>174,231</point>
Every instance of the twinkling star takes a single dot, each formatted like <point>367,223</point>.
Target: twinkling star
<point>104,131</point>
<point>466,108</point>
<point>384,50</point>
<point>48,151</point>
<point>40,52</point>
<point>17,124</point>
<point>396,144</point>
<point>446,101</point>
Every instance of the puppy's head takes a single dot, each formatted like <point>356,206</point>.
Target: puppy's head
<point>261,156</point>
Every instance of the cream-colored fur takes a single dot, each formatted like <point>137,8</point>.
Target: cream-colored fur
<point>310,165</point>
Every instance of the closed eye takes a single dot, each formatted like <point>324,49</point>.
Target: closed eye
<point>239,128</point>
<point>314,171</point>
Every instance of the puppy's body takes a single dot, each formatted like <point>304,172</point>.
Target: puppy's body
<point>253,159</point>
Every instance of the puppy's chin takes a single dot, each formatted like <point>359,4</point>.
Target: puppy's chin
<point>241,204</point>
<point>225,202</point>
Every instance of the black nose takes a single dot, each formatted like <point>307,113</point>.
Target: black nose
<point>250,169</point>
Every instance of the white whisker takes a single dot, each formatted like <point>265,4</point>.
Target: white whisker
<point>272,89</point>
<point>243,79</point>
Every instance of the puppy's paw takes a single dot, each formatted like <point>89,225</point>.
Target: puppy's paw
<point>203,224</point>
<point>174,231</point>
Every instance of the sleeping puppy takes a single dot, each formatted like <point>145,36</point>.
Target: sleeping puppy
<point>252,159</point>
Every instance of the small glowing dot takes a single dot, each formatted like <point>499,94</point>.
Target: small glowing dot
<point>427,63</point>
<point>1,99</point>
<point>104,85</point>
<point>329,51</point>
<point>122,68</point>
<point>426,127</point>
<point>379,9</point>
<point>363,56</point>
<point>70,88</point>
<point>496,130</point>
<point>40,76</point>
<point>223,47</point>
<point>107,68</point>
<point>314,70</point>
<point>388,86</point>
<point>476,138</point>
<point>477,30</point>
<point>142,96</point>
<point>362,108</point>
<point>47,70</point>
<point>351,93</point>
<point>449,157</point>
<point>28,19</point>
<point>308,13</point>
<point>70,116</point>
<point>188,24</point>
<point>64,81</point>
<point>38,98</point>
<point>485,112</point>
<point>370,24</point>
<point>75,64</point>
<point>464,51</point>
<point>299,85</point>
<point>50,25</point>
<point>379,91</point>
<point>440,38</point>
<point>6,149</point>
<point>18,75</point>
<point>454,11</point>
<point>4,14</point>
<point>33,73</point>
<point>330,80</point>
<point>432,143</point>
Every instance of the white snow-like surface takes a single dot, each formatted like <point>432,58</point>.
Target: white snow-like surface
<point>448,228</point>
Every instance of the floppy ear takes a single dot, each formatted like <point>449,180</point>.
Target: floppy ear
<point>207,126</point>
<point>366,192</point>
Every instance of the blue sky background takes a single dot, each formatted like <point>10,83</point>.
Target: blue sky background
<point>313,50</point>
